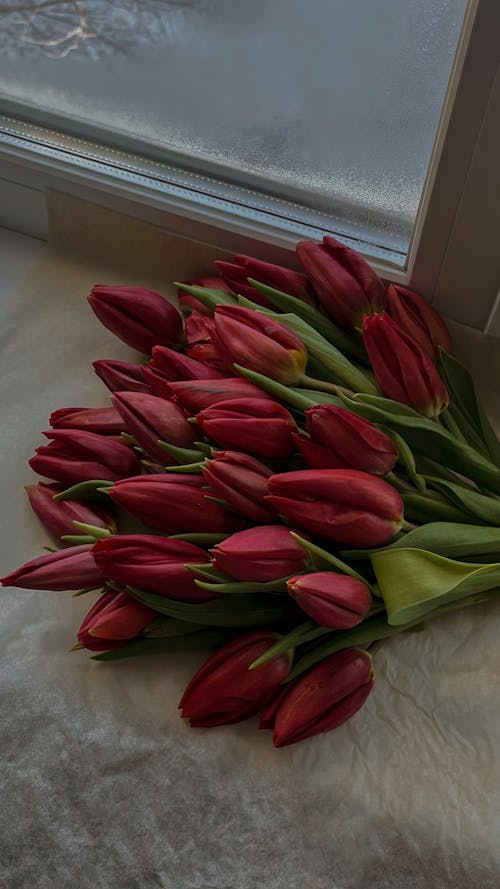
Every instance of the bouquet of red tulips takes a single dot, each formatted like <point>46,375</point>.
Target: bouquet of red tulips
<point>298,470</point>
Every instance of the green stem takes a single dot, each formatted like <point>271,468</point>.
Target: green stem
<point>305,632</point>
<point>322,386</point>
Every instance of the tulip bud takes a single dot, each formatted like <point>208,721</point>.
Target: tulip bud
<point>403,370</point>
<point>315,455</point>
<point>74,456</point>
<point>153,563</point>
<point>202,344</point>
<point>241,481</point>
<point>121,376</point>
<point>167,366</point>
<point>112,620</point>
<point>257,425</point>
<point>352,441</point>
<point>261,554</point>
<point>141,318</point>
<point>225,691</point>
<point>236,277</point>
<point>260,343</point>
<point>66,569</point>
<point>172,503</point>
<point>189,303</point>
<point>413,314</point>
<point>332,600</point>
<point>195,395</point>
<point>347,287</point>
<point>58,516</point>
<point>323,699</point>
<point>343,505</point>
<point>102,420</point>
<point>150,419</point>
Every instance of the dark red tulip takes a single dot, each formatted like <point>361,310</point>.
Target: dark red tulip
<point>264,553</point>
<point>167,366</point>
<point>343,505</point>
<point>413,314</point>
<point>172,503</point>
<point>58,516</point>
<point>202,344</point>
<point>74,456</point>
<point>332,600</point>
<point>225,691</point>
<point>114,619</point>
<point>347,287</point>
<point>102,420</point>
<point>260,343</point>
<point>352,441</point>
<point>121,376</point>
<point>328,695</point>
<point>241,481</point>
<point>72,568</point>
<point>236,276</point>
<point>403,370</point>
<point>257,425</point>
<point>139,317</point>
<point>150,419</point>
<point>195,395</point>
<point>152,563</point>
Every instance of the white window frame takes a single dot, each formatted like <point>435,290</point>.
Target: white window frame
<point>453,257</point>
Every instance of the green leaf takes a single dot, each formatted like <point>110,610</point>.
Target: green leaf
<point>290,396</point>
<point>239,587</point>
<point>77,539</point>
<point>91,490</point>
<point>207,571</point>
<point>94,531</point>
<point>406,458</point>
<point>226,611</point>
<point>445,538</point>
<point>305,632</point>
<point>422,508</point>
<point>336,366</point>
<point>414,582</point>
<point>198,641</point>
<point>462,388</point>
<point>322,560</point>
<point>166,627</point>
<point>343,341</point>
<point>182,455</point>
<point>317,397</point>
<point>426,437</point>
<point>482,507</point>
<point>190,468</point>
<point>210,297</point>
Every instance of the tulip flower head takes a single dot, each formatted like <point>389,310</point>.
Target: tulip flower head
<point>237,273</point>
<point>347,287</point>
<point>76,456</point>
<point>257,425</point>
<point>328,695</point>
<point>343,505</point>
<point>413,314</point>
<point>73,568</point>
<point>121,376</point>
<point>102,420</point>
<point>58,516</point>
<point>189,303</point>
<point>114,619</point>
<point>332,600</point>
<point>260,343</point>
<point>263,553</point>
<point>352,441</point>
<point>225,691</point>
<point>139,317</point>
<point>195,395</point>
<point>150,419</point>
<point>403,369</point>
<point>241,481</point>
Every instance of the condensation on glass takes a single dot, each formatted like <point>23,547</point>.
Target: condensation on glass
<point>333,104</point>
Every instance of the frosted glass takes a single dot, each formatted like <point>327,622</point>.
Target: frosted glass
<point>333,103</point>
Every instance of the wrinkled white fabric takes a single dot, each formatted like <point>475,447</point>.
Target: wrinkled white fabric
<point>104,786</point>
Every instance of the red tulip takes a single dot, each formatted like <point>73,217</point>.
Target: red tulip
<point>74,456</point>
<point>403,370</point>
<point>241,481</point>
<point>195,395</point>
<point>344,505</point>
<point>112,620</point>
<point>225,691</point>
<point>202,344</point>
<point>256,341</point>
<point>332,600</point>
<point>139,317</point>
<point>236,276</point>
<point>150,419</point>
<point>323,699</point>
<point>66,569</point>
<point>353,442</point>
<point>413,314</point>
<point>167,366</point>
<point>120,376</point>
<point>172,503</point>
<point>347,287</point>
<point>152,563</point>
<point>258,425</point>
<point>102,420</point>
<point>189,303</point>
<point>58,515</point>
<point>261,554</point>
<point>315,455</point>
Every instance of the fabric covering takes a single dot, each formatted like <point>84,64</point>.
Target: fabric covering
<point>102,783</point>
